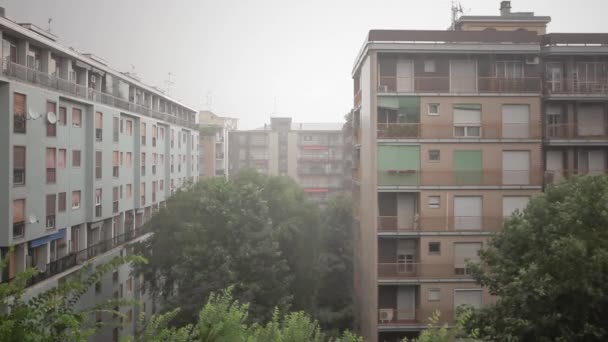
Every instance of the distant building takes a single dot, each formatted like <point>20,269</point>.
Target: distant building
<point>453,132</point>
<point>310,153</point>
<point>213,143</point>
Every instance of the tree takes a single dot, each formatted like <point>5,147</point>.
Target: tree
<point>445,333</point>
<point>335,299</point>
<point>549,268</point>
<point>51,316</point>
<point>216,234</point>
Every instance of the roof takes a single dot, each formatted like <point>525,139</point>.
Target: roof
<point>308,126</point>
<point>452,36</point>
<point>521,16</point>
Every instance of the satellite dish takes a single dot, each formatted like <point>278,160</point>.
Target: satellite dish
<point>51,118</point>
<point>32,219</point>
<point>32,115</point>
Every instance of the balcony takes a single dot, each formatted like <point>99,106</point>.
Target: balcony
<point>414,270</point>
<point>466,84</point>
<point>430,131</point>
<point>18,229</point>
<point>23,73</point>
<point>576,86</point>
<point>487,177</point>
<point>575,131</point>
<point>51,175</point>
<point>391,224</point>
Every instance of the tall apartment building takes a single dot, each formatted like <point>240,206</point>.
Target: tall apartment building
<point>213,144</point>
<point>89,154</point>
<point>454,130</point>
<point>310,153</point>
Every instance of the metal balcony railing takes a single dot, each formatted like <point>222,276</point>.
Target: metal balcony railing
<point>464,84</point>
<point>402,316</point>
<point>577,86</point>
<point>415,270</point>
<point>486,131</point>
<point>575,131</point>
<point>23,73</point>
<point>486,177</point>
<point>441,223</point>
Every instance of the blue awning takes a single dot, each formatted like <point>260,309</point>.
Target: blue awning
<point>45,239</point>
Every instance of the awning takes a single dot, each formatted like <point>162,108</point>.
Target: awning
<point>60,234</point>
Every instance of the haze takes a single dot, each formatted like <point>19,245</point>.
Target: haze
<point>237,57</point>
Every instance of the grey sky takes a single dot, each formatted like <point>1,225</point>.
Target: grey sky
<point>247,53</point>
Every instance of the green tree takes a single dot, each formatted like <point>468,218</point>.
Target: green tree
<point>51,316</point>
<point>335,299</point>
<point>549,268</point>
<point>216,234</point>
<point>435,332</point>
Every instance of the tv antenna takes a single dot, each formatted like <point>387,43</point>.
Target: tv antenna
<point>50,21</point>
<point>209,100</point>
<point>455,10</point>
<point>168,82</point>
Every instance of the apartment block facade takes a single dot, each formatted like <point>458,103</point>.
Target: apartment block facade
<point>213,143</point>
<point>453,132</point>
<point>89,154</point>
<point>310,153</point>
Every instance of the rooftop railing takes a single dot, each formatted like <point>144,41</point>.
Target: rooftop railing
<point>23,73</point>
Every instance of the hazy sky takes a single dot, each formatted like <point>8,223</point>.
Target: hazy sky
<point>240,55</point>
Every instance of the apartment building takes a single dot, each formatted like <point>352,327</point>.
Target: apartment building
<point>453,132</point>
<point>310,153</point>
<point>89,154</point>
<point>213,143</point>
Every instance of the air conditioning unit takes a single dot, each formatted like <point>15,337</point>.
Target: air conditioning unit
<point>386,315</point>
<point>532,60</point>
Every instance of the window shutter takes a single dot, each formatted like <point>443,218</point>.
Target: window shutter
<point>466,251</point>
<point>98,120</point>
<point>50,204</point>
<point>19,104</point>
<point>467,114</point>
<point>19,157</point>
<point>18,210</point>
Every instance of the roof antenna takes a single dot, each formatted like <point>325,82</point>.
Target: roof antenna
<point>456,8</point>
<point>50,20</point>
<point>169,83</point>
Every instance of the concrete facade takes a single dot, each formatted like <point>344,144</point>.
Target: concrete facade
<point>214,143</point>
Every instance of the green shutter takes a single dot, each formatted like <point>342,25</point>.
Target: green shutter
<point>468,167</point>
<point>398,165</point>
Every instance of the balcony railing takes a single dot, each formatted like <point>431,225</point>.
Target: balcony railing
<point>486,131</point>
<point>402,316</point>
<point>414,270</point>
<point>575,131</point>
<point>554,176</point>
<point>79,257</point>
<point>23,73</point>
<point>465,84</point>
<point>441,223</point>
<point>572,86</point>
<point>484,177</point>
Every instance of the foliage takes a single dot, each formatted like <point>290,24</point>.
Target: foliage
<point>224,319</point>
<point>549,268</point>
<point>51,316</point>
<point>335,299</point>
<point>435,332</point>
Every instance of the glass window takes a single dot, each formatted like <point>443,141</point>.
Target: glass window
<point>76,158</point>
<point>433,109</point>
<point>434,294</point>
<point>434,155</point>
<point>434,202</point>
<point>76,117</point>
<point>434,247</point>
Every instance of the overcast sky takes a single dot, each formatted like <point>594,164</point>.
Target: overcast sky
<point>236,57</point>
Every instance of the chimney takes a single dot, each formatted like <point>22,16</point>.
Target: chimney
<point>505,8</point>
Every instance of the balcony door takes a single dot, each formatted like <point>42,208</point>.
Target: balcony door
<point>555,165</point>
<point>590,119</point>
<point>405,76</point>
<point>463,76</point>
<point>406,256</point>
<point>406,303</point>
<point>554,77</point>
<point>592,162</point>
<point>406,211</point>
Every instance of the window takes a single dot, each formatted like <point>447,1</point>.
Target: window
<point>161,186</point>
<point>465,252</point>
<point>19,113</point>
<point>130,128</point>
<point>115,124</point>
<point>130,284</point>
<point>510,204</point>
<point>129,161</point>
<point>143,133</point>
<point>61,202</point>
<point>76,117</point>
<point>76,199</point>
<point>51,128</point>
<point>143,164</point>
<point>115,163</point>
<point>434,295</point>
<point>154,134</point>
<point>50,211</point>
<point>76,158</point>
<point>121,191</point>
<point>429,65</point>
<point>467,297</point>
<point>434,155</point>
<point>129,191</point>
<point>61,158</point>
<point>516,167</point>
<point>121,159</point>
<point>433,109</point>
<point>98,199</point>
<point>467,120</point>
<point>18,218</point>
<point>98,126</point>
<point>142,191</point>
<point>509,69</point>
<point>98,161</point>
<point>130,316</point>
<point>434,202</point>
<point>467,212</point>
<point>18,165</point>
<point>115,199</point>
<point>62,117</point>
<point>51,171</point>
<point>516,121</point>
<point>435,248</point>
<point>98,290</point>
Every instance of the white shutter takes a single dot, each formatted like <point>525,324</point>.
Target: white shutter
<point>516,167</point>
<point>468,117</point>
<point>464,251</point>
<point>467,297</point>
<point>467,212</point>
<point>512,203</point>
<point>591,119</point>
<point>405,76</point>
<point>597,162</point>
<point>463,76</point>
<point>515,121</point>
